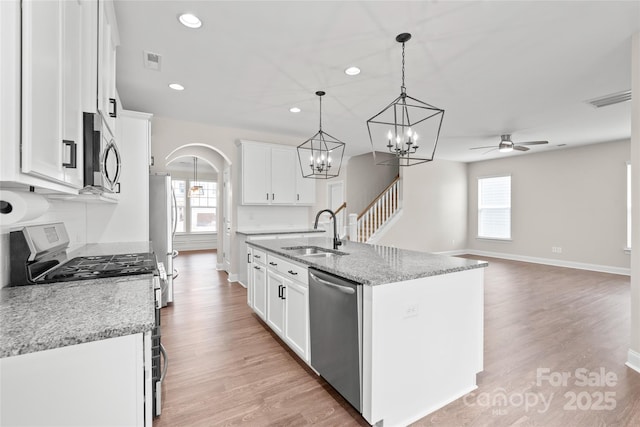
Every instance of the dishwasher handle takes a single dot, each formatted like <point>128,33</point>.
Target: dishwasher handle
<point>345,289</point>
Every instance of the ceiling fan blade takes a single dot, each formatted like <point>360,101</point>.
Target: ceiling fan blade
<point>482,148</point>
<point>519,148</point>
<point>532,143</point>
<point>486,152</point>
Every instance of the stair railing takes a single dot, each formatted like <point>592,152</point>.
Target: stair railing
<point>379,211</point>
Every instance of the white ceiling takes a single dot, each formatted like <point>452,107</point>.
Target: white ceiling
<point>519,67</point>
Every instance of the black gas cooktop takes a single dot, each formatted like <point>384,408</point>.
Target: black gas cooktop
<point>96,267</point>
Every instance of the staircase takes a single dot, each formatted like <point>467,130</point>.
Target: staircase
<point>379,212</point>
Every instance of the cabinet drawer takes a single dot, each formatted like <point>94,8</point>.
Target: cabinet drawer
<point>259,256</point>
<point>288,269</point>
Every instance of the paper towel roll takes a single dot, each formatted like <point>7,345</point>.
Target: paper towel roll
<point>19,206</point>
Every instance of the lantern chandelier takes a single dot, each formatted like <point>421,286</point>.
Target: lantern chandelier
<point>196,189</point>
<point>321,155</point>
<point>406,125</point>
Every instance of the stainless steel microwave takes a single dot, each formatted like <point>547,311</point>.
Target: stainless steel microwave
<point>102,163</point>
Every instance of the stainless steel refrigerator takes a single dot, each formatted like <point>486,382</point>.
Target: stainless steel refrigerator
<point>162,226</point>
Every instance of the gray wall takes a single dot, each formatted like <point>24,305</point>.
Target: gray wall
<point>366,180</point>
<point>572,198</point>
<point>434,213</point>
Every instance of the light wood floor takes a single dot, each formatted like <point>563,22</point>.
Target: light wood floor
<point>227,368</point>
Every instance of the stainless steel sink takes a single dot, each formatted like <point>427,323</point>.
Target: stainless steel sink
<point>313,251</point>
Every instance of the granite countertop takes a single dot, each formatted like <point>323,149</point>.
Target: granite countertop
<point>371,264</point>
<point>46,316</point>
<point>259,232</point>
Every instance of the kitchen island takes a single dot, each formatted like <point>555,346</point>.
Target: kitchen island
<point>421,321</point>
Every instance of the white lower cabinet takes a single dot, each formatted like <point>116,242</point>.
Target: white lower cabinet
<point>278,292</point>
<point>259,285</point>
<point>276,288</point>
<point>100,383</point>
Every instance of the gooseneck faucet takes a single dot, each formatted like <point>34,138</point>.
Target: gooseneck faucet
<point>336,240</point>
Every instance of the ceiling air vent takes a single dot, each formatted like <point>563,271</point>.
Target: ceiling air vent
<point>152,60</point>
<point>614,98</point>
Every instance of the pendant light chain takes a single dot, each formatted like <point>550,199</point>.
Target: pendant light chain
<point>403,89</point>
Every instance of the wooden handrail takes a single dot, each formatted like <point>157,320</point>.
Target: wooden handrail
<point>341,207</point>
<point>379,196</point>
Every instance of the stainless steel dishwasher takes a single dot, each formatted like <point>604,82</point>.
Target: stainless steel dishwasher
<point>335,312</point>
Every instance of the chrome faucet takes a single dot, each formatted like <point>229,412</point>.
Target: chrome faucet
<point>336,240</point>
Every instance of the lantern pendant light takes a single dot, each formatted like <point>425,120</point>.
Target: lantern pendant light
<point>321,155</point>
<point>196,190</point>
<point>405,126</point>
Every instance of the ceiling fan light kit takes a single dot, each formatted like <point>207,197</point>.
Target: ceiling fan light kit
<point>321,155</point>
<point>506,145</point>
<point>405,126</point>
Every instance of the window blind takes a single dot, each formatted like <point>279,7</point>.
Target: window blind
<point>494,207</point>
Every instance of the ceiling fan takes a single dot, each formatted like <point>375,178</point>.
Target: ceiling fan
<point>506,145</point>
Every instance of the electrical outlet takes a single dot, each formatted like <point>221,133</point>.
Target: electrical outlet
<point>556,249</point>
<point>411,310</point>
<point>559,250</point>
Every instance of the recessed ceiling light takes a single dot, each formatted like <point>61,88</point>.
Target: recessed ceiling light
<point>176,86</point>
<point>352,71</point>
<point>294,109</point>
<point>190,20</point>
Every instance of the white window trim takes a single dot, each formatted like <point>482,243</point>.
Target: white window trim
<point>498,239</point>
<point>628,181</point>
<point>187,207</point>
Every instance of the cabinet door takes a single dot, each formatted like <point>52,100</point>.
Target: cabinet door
<point>51,104</point>
<point>107,43</point>
<point>42,46</point>
<point>276,286</point>
<point>249,278</point>
<point>260,291</point>
<point>305,188</point>
<point>72,99</point>
<point>256,174</point>
<point>283,180</point>
<point>297,318</point>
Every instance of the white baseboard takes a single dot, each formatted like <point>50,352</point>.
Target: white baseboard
<point>219,266</point>
<point>233,277</point>
<point>456,252</point>
<point>242,284</point>
<point>633,360</point>
<point>555,262</point>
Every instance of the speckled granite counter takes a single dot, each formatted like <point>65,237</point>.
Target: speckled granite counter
<point>42,317</point>
<point>371,264</point>
<point>259,232</point>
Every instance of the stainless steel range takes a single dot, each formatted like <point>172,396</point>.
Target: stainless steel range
<point>38,255</point>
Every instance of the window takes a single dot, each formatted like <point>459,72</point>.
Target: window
<point>196,214</point>
<point>494,207</point>
<point>628,205</point>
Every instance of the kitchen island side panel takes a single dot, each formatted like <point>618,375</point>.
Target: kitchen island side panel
<point>422,345</point>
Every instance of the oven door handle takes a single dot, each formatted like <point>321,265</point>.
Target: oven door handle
<point>165,363</point>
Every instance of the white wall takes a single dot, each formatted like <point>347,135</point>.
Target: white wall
<point>434,208</point>
<point>572,198</point>
<point>366,180</point>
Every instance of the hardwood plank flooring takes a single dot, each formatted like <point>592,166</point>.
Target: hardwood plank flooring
<point>227,368</point>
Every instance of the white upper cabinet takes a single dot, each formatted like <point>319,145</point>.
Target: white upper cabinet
<point>271,176</point>
<point>305,187</point>
<point>51,96</point>
<point>108,40</point>
<point>283,180</point>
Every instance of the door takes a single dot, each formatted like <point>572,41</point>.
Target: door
<point>226,200</point>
